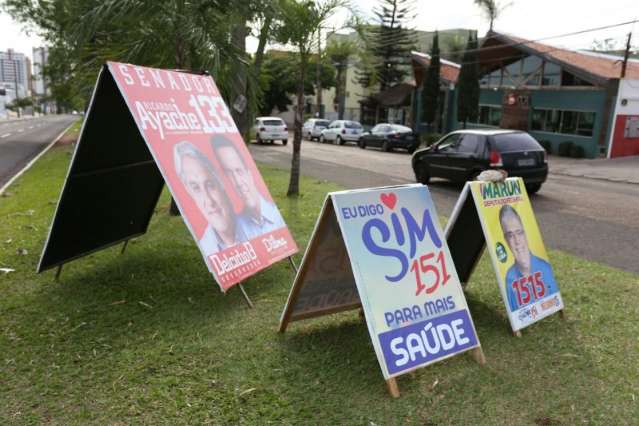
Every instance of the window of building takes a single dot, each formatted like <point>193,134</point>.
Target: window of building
<point>563,121</point>
<point>552,75</point>
<point>490,115</point>
<point>569,79</point>
<point>531,71</point>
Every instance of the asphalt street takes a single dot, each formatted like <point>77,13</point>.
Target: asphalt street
<point>22,140</point>
<point>594,219</point>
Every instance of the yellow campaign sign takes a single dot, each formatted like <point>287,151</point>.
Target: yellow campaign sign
<point>519,257</point>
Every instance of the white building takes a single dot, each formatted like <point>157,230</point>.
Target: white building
<point>15,73</point>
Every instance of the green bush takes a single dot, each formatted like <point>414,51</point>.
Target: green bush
<point>546,145</point>
<point>577,151</point>
<point>565,148</point>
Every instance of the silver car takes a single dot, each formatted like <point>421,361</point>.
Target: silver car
<point>270,129</point>
<point>341,131</point>
<point>313,127</point>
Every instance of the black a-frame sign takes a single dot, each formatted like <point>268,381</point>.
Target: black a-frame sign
<point>112,167</point>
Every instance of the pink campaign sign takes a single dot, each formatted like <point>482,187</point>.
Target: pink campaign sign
<point>212,176</point>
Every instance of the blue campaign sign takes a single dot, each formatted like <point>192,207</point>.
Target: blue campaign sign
<point>414,305</point>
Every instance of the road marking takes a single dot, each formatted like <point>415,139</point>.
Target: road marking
<point>30,127</point>
<point>5,135</point>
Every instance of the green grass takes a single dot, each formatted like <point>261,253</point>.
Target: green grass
<point>146,337</point>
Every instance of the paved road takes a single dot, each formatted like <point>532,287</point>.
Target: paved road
<point>593,219</point>
<point>22,140</point>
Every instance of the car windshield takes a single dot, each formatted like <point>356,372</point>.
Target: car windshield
<point>352,125</point>
<point>401,129</point>
<point>321,123</point>
<point>273,122</point>
<point>510,142</point>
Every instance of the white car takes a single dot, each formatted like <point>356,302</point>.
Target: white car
<point>341,131</point>
<point>270,129</point>
<point>313,128</point>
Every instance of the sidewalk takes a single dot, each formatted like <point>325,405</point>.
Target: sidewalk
<point>624,169</point>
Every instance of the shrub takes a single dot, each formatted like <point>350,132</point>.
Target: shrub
<point>565,148</point>
<point>546,145</point>
<point>577,151</point>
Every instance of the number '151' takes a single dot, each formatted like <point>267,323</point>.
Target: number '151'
<point>429,264</point>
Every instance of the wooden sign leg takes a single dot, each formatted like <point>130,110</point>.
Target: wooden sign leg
<point>248,300</point>
<point>393,389</point>
<point>517,333</point>
<point>562,315</point>
<point>124,246</point>
<point>57,273</point>
<point>478,355</point>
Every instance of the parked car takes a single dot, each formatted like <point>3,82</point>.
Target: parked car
<point>390,136</point>
<point>341,131</point>
<point>270,129</point>
<point>463,154</point>
<point>313,128</point>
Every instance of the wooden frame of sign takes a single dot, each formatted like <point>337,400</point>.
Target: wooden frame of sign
<point>337,274</point>
<point>476,223</point>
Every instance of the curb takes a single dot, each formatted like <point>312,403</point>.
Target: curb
<point>629,182</point>
<point>32,162</point>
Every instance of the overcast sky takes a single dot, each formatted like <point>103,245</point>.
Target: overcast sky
<point>530,19</point>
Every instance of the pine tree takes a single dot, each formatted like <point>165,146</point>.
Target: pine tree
<point>468,84</point>
<point>430,91</point>
<point>388,45</point>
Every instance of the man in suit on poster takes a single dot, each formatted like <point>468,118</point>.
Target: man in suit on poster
<point>259,215</point>
<point>530,278</point>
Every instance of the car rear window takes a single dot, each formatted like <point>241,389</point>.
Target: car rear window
<point>516,142</point>
<point>352,125</point>
<point>273,122</point>
<point>322,123</point>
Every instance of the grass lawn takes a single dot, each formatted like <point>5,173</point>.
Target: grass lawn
<point>146,337</point>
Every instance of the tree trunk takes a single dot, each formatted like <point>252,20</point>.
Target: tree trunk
<point>341,91</point>
<point>294,182</point>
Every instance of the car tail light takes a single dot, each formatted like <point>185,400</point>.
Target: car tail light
<point>285,129</point>
<point>343,131</point>
<point>495,159</point>
<point>396,136</point>
<point>262,129</point>
<point>545,157</point>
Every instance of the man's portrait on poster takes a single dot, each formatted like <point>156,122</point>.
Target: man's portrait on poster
<point>196,172</point>
<point>259,215</point>
<point>530,278</point>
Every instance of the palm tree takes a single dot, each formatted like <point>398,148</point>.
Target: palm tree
<point>339,52</point>
<point>299,21</point>
<point>492,9</point>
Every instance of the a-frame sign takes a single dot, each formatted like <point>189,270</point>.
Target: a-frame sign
<point>383,249</point>
<point>498,215</point>
<point>146,127</point>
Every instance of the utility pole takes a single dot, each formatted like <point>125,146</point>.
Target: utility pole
<point>625,56</point>
<point>318,74</point>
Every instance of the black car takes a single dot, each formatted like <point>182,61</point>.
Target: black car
<point>389,136</point>
<point>464,154</point>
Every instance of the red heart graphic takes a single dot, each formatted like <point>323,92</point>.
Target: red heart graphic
<point>389,200</point>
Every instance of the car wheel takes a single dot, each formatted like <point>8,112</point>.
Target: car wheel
<point>259,140</point>
<point>472,176</point>
<point>422,174</point>
<point>337,141</point>
<point>412,149</point>
<point>533,188</point>
<point>284,142</point>
<point>386,146</point>
<point>361,144</point>
<point>321,139</point>
<point>340,141</point>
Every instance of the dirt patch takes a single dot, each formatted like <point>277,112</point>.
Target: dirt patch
<point>68,138</point>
